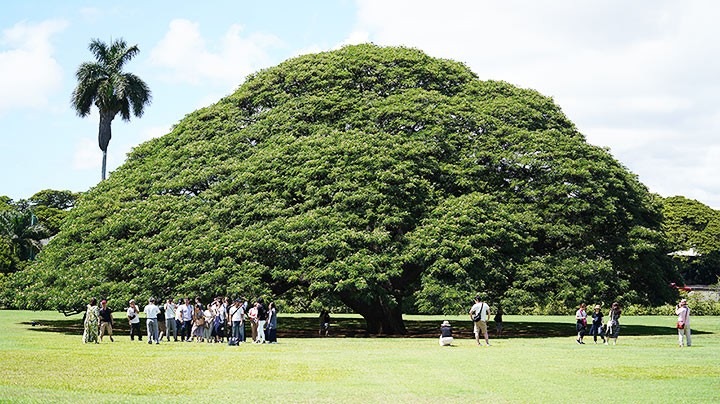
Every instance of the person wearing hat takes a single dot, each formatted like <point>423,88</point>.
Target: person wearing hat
<point>683,322</point>
<point>446,337</point>
<point>151,312</point>
<point>133,315</point>
<point>597,324</point>
<point>106,321</point>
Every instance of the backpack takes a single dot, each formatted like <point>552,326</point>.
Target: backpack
<point>232,341</point>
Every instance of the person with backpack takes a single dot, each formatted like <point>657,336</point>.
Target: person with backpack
<point>479,313</point>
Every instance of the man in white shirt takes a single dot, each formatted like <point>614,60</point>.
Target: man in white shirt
<point>151,311</point>
<point>170,319</point>
<point>479,313</point>
<point>133,315</point>
<point>187,311</point>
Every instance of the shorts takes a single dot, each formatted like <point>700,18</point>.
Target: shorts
<point>480,326</point>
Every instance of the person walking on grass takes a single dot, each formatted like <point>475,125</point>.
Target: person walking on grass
<point>151,313</point>
<point>580,323</point>
<point>683,322</point>
<point>597,324</point>
<point>133,315</point>
<point>613,324</point>
<point>91,322</point>
<point>106,321</point>
<point>479,313</point>
<point>170,324</point>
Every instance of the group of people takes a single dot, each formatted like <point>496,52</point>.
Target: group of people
<point>190,321</point>
<point>606,330</point>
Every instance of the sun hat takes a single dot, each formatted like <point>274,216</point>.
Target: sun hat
<point>445,324</point>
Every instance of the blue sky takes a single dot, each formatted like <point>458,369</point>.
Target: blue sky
<point>636,77</point>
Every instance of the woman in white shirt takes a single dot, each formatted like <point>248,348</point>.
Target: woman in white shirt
<point>683,322</point>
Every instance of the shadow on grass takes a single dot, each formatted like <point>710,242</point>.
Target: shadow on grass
<point>304,327</point>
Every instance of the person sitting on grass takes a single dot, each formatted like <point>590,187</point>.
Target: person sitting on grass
<point>446,338</point>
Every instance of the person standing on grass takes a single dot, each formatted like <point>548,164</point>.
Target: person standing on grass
<point>272,324</point>
<point>613,324</point>
<point>161,321</point>
<point>106,321</point>
<point>683,322</point>
<point>324,323</point>
<point>91,322</point>
<point>597,324</point>
<point>170,324</point>
<point>479,313</point>
<point>252,314</point>
<point>151,313</point>
<point>187,312</point>
<point>210,316</point>
<point>446,338</point>
<point>499,321</point>
<point>580,323</point>
<point>262,319</point>
<point>133,315</point>
<point>237,316</point>
<point>198,326</point>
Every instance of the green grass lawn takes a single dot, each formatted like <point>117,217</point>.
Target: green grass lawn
<point>49,363</point>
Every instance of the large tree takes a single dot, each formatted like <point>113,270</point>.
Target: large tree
<point>104,84</point>
<point>382,177</point>
<point>690,224</point>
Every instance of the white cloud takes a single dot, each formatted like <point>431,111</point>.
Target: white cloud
<point>637,77</point>
<point>30,73</point>
<point>191,59</point>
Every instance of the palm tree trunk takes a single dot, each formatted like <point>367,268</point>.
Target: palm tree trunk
<point>104,135</point>
<point>104,164</point>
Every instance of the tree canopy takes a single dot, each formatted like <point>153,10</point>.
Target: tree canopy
<point>690,224</point>
<point>381,177</point>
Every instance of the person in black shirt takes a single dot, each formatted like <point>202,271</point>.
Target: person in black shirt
<point>597,324</point>
<point>324,323</point>
<point>106,321</point>
<point>262,319</point>
<point>446,337</point>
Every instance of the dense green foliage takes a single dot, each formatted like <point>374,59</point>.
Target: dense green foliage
<point>104,84</point>
<point>690,224</point>
<point>380,177</point>
<point>25,223</point>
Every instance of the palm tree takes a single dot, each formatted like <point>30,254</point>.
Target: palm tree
<point>24,234</point>
<point>104,84</point>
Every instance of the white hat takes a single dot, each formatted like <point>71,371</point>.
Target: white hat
<point>445,324</point>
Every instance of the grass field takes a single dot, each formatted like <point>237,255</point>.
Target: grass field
<point>48,363</point>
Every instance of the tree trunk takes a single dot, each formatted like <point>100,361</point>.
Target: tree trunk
<point>104,163</point>
<point>381,315</point>
<point>104,135</point>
